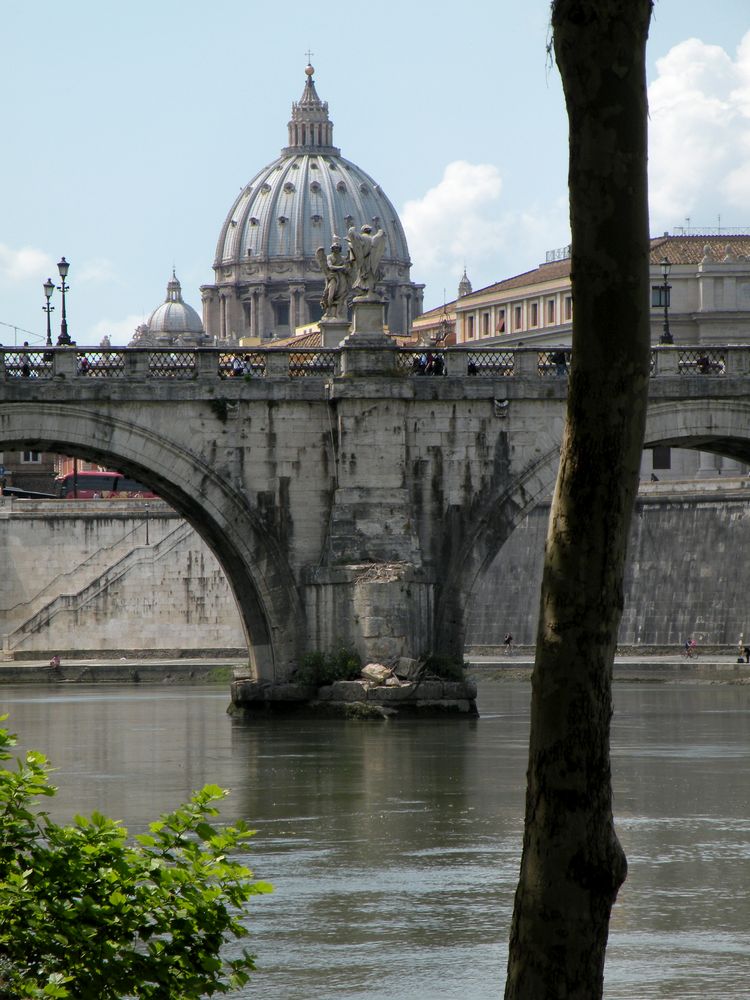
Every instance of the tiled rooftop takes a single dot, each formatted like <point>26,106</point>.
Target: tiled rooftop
<point>691,249</point>
<point>679,250</point>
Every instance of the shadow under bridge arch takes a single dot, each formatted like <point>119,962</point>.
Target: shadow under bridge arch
<point>257,570</point>
<point>719,426</point>
<point>489,529</point>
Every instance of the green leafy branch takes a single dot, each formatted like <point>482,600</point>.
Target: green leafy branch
<point>85,913</point>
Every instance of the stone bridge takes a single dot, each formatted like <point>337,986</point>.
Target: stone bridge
<point>354,495</point>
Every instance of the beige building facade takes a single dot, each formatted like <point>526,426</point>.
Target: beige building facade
<point>706,288</point>
<point>700,295</point>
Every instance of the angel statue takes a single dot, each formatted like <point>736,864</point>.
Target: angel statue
<point>337,271</point>
<point>366,250</point>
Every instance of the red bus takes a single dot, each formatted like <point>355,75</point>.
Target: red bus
<point>100,485</point>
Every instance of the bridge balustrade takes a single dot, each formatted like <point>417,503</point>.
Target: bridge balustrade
<point>241,364</point>
<point>27,364</point>
<point>520,362</point>
<point>313,362</point>
<point>101,364</point>
<point>172,364</point>
<point>490,362</point>
<point>702,362</point>
<point>555,363</point>
<point>420,362</point>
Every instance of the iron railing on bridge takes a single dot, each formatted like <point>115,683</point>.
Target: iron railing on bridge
<point>492,362</point>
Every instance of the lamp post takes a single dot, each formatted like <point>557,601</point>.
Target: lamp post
<point>145,507</point>
<point>63,266</point>
<point>49,287</point>
<point>666,267</point>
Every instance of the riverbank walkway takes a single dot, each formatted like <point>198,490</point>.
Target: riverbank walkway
<point>709,666</point>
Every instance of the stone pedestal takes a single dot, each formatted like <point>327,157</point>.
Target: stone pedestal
<point>367,350</point>
<point>367,321</point>
<point>333,332</point>
<point>65,363</point>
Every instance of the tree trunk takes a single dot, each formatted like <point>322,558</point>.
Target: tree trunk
<point>572,864</point>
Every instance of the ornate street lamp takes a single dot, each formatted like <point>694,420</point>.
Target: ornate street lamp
<point>63,267</point>
<point>666,267</point>
<point>49,287</point>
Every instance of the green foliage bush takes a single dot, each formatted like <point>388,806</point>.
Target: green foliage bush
<point>318,669</point>
<point>446,667</point>
<point>85,914</point>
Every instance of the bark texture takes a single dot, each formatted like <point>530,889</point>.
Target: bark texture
<point>572,864</point>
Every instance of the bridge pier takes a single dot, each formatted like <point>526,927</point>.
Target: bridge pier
<point>380,609</point>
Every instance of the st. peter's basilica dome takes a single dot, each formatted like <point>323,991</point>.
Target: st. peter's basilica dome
<point>267,278</point>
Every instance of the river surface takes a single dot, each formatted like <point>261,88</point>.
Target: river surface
<point>394,848</point>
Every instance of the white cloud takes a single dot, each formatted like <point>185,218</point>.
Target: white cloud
<point>699,136</point>
<point>120,332</point>
<point>99,269</point>
<point>24,264</point>
<point>456,217</point>
<point>464,221</point>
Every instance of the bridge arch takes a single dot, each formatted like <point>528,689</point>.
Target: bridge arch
<point>721,426</point>
<point>499,516</point>
<point>254,563</point>
<point>718,426</point>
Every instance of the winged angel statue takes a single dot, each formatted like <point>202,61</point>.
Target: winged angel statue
<point>337,271</point>
<point>366,250</point>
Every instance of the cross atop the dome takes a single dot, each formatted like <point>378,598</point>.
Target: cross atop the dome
<point>309,55</point>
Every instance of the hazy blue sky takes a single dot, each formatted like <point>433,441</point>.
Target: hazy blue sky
<point>129,128</point>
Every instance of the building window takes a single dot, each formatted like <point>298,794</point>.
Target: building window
<point>661,457</point>
<point>568,307</point>
<point>31,457</point>
<point>660,296</point>
<point>500,325</point>
<point>469,327</point>
<point>534,314</point>
<point>551,312</point>
<point>517,317</point>
<point>485,324</point>
<point>315,310</point>
<point>281,313</point>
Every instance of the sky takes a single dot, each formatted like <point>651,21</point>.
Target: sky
<point>129,128</point>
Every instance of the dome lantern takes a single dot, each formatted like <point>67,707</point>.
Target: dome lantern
<point>310,128</point>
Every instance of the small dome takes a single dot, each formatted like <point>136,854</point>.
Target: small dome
<point>174,322</point>
<point>174,316</point>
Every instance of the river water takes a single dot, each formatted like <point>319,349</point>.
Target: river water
<point>394,848</point>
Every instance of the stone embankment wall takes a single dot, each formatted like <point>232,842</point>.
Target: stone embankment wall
<point>80,577</point>
<point>687,572</point>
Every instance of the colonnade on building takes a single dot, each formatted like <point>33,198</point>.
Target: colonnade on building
<point>255,313</point>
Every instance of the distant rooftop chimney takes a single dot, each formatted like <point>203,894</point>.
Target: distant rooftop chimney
<point>562,253</point>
